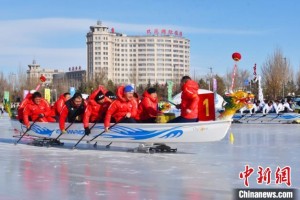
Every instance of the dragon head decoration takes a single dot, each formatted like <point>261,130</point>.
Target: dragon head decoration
<point>234,102</point>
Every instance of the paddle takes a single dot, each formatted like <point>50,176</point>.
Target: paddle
<point>83,136</point>
<point>107,146</point>
<point>259,117</point>
<point>103,131</point>
<point>42,79</point>
<point>242,116</point>
<point>172,103</point>
<point>28,129</point>
<point>251,115</point>
<point>275,117</point>
<point>65,130</point>
<point>75,114</point>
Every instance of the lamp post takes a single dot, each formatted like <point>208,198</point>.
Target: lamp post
<point>283,83</point>
<point>210,77</point>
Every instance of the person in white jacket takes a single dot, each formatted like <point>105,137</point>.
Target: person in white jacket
<point>287,106</point>
<point>268,108</point>
<point>257,107</point>
<point>246,108</point>
<point>278,107</point>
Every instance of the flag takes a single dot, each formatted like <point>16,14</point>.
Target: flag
<point>6,96</point>
<point>7,106</point>
<point>72,91</point>
<point>47,94</point>
<point>215,85</point>
<point>25,92</point>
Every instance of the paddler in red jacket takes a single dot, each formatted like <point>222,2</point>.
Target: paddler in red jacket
<point>97,106</point>
<point>189,101</point>
<point>37,109</point>
<point>124,109</point>
<point>72,111</point>
<point>23,104</point>
<point>59,104</point>
<point>148,107</point>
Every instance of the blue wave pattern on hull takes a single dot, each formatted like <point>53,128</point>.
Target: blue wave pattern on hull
<point>141,134</point>
<point>282,116</point>
<point>119,132</point>
<point>40,130</point>
<point>289,116</point>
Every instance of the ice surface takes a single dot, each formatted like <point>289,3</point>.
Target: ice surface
<point>196,171</point>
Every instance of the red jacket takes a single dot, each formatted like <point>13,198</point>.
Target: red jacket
<point>189,100</point>
<point>94,93</point>
<point>71,114</point>
<point>59,104</point>
<point>120,107</point>
<point>33,110</point>
<point>94,111</point>
<point>23,104</point>
<point>147,107</point>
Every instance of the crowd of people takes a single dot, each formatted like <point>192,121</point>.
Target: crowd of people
<point>104,106</point>
<point>268,106</point>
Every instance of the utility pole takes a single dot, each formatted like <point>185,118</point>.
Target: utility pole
<point>283,82</point>
<point>210,77</point>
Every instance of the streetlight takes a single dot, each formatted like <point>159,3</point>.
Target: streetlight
<point>208,83</point>
<point>210,77</point>
<point>283,83</point>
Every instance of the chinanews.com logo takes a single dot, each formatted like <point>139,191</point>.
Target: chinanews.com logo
<point>281,176</point>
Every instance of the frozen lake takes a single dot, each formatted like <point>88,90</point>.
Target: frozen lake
<point>196,171</point>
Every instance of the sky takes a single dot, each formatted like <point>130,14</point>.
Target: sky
<point>54,32</point>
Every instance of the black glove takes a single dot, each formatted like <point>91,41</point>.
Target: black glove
<point>87,131</point>
<point>21,121</point>
<point>41,115</point>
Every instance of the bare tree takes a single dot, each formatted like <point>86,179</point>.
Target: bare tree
<point>239,79</point>
<point>276,73</point>
<point>203,84</point>
<point>221,88</point>
<point>3,85</point>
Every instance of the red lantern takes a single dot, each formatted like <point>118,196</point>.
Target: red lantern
<point>236,56</point>
<point>43,78</point>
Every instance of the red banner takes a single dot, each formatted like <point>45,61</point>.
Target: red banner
<point>206,107</point>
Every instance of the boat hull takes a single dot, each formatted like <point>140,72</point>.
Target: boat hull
<point>137,133</point>
<point>271,118</point>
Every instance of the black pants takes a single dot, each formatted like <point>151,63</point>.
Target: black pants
<point>150,120</point>
<point>182,120</point>
<point>127,120</point>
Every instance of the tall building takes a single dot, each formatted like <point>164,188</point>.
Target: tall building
<point>35,71</point>
<point>158,57</point>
